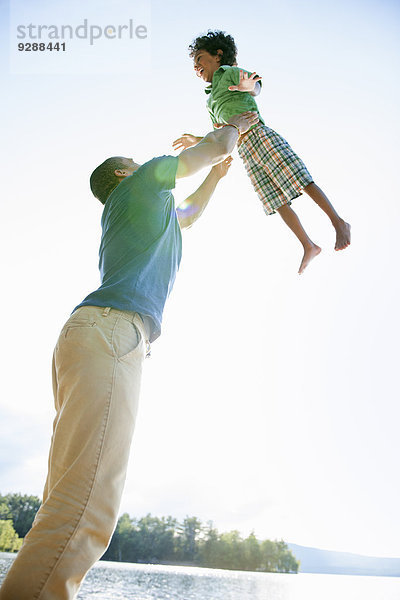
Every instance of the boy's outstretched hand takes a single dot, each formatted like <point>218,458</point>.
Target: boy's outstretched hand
<point>247,82</point>
<point>187,140</point>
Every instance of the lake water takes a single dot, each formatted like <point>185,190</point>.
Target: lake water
<point>126,581</point>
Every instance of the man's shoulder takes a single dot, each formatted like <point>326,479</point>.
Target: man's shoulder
<point>151,177</point>
<point>158,173</point>
<point>157,161</point>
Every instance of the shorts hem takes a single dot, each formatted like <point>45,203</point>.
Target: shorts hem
<point>272,211</point>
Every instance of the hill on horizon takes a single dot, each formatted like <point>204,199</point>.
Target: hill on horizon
<point>315,560</point>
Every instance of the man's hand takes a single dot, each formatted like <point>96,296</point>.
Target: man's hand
<point>247,82</point>
<point>215,146</point>
<point>187,140</point>
<point>244,121</point>
<point>222,168</point>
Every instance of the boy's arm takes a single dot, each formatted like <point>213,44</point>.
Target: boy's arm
<point>247,83</point>
<point>192,208</point>
<point>215,146</point>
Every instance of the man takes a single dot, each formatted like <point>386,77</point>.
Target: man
<point>98,360</point>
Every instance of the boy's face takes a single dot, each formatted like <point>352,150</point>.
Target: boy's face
<point>205,64</point>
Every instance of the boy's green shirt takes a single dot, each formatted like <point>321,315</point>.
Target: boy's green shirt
<point>224,104</point>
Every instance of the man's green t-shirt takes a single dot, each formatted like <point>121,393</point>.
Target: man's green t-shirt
<point>224,104</point>
<point>141,243</point>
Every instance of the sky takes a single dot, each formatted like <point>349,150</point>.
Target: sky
<point>270,402</point>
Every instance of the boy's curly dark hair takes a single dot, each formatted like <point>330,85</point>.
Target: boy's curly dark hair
<point>213,41</point>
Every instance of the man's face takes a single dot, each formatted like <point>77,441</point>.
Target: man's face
<point>130,167</point>
<point>205,64</point>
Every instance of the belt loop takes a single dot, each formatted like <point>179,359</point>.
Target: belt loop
<point>148,349</point>
<point>106,311</point>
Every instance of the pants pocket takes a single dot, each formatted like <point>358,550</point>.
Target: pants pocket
<point>81,324</point>
<point>126,339</point>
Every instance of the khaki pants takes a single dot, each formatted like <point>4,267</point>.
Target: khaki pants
<point>96,377</point>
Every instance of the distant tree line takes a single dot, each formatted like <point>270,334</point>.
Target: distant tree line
<point>154,540</point>
<point>161,540</point>
<point>17,512</point>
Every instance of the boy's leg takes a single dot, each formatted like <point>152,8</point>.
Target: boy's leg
<point>341,227</point>
<point>98,363</point>
<point>278,176</point>
<point>293,222</point>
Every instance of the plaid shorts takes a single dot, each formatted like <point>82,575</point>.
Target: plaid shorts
<point>278,175</point>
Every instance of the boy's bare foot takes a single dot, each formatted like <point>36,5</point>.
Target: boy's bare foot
<point>342,235</point>
<point>310,252</point>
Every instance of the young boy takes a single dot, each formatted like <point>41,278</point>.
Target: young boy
<point>278,175</point>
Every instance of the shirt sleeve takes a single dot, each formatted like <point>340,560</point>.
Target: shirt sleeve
<point>160,173</point>
<point>212,116</point>
<point>232,76</point>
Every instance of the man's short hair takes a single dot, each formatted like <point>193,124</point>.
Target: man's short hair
<point>103,180</point>
<point>214,41</point>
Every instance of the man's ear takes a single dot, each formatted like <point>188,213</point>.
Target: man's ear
<point>120,173</point>
<point>220,54</point>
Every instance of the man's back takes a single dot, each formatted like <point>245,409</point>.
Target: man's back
<point>141,245</point>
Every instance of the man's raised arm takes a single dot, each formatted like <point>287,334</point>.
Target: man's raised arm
<point>192,208</point>
<point>215,146</point>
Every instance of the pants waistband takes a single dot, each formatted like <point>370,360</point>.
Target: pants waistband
<point>126,314</point>
<point>147,324</point>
